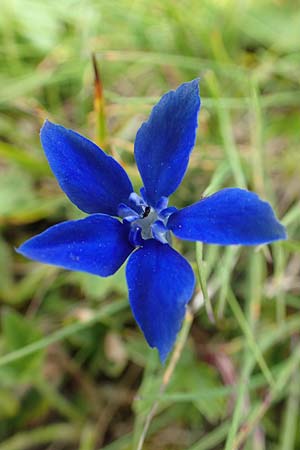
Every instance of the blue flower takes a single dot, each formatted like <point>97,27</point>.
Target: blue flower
<point>160,281</point>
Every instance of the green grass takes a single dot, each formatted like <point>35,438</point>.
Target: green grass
<point>75,372</point>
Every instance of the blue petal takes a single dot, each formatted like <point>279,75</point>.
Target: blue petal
<point>97,244</point>
<point>163,144</point>
<point>160,283</point>
<point>92,180</point>
<point>231,216</point>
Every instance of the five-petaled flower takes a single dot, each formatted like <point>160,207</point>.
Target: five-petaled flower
<point>123,224</point>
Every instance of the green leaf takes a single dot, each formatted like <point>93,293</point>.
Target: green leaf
<point>194,376</point>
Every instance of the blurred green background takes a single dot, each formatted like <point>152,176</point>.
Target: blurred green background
<point>75,372</point>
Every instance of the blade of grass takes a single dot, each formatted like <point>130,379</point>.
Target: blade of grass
<point>14,88</point>
<point>250,339</point>
<point>181,340</point>
<point>279,258</point>
<point>257,381</point>
<point>63,433</point>
<point>63,333</point>
<point>88,438</point>
<point>260,410</point>
<point>218,179</point>
<point>234,103</point>
<point>202,280</point>
<point>291,416</point>
<point>239,403</point>
<point>99,106</point>
<point>24,159</point>
<point>213,438</point>
<point>226,132</point>
<point>248,325</point>
<point>292,215</point>
<point>58,401</point>
<point>156,58</point>
<point>223,274</point>
<point>258,165</point>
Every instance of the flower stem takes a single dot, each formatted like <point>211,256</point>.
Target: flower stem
<point>182,338</point>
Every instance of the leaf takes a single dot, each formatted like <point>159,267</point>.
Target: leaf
<point>193,376</point>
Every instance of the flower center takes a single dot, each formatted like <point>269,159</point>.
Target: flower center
<point>146,222</point>
<point>149,217</point>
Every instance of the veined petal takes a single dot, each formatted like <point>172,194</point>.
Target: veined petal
<point>92,180</point>
<point>231,216</point>
<point>160,284</point>
<point>163,144</point>
<point>97,244</point>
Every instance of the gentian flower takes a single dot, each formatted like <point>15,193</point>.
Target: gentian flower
<point>122,224</point>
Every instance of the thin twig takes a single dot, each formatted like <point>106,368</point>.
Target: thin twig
<point>168,374</point>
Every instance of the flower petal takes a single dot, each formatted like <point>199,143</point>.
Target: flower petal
<point>163,144</point>
<point>231,216</point>
<point>160,283</point>
<point>97,244</point>
<point>92,180</point>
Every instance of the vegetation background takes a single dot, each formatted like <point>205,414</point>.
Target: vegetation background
<point>75,372</point>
